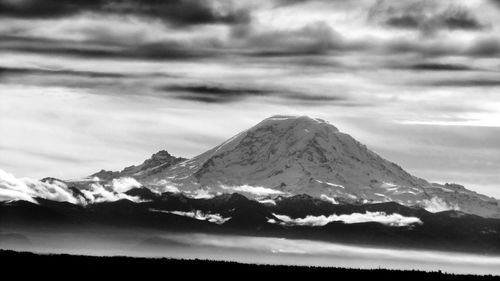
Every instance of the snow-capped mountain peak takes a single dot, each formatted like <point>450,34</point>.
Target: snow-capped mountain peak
<point>302,155</point>
<point>290,155</point>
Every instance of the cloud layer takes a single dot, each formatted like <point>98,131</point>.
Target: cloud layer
<point>13,189</point>
<point>435,205</point>
<point>395,220</point>
<point>199,215</point>
<point>177,12</point>
<point>254,190</point>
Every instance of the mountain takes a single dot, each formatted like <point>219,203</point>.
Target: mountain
<point>294,177</point>
<point>157,163</point>
<point>290,155</point>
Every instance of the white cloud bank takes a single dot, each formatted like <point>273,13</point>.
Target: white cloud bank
<point>328,199</point>
<point>435,205</point>
<point>97,193</point>
<point>379,217</point>
<point>255,190</point>
<point>14,189</point>
<point>124,184</point>
<point>165,185</point>
<point>171,188</point>
<point>267,201</point>
<point>199,215</point>
<point>200,194</point>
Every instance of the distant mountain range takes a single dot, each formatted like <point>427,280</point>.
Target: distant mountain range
<point>287,176</point>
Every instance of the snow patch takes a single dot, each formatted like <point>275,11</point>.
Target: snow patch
<point>279,118</point>
<point>87,179</point>
<point>395,220</point>
<point>171,188</point>
<point>352,196</point>
<point>331,184</point>
<point>388,185</point>
<point>267,201</point>
<point>411,192</point>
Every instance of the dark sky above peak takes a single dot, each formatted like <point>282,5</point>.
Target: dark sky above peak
<point>92,84</point>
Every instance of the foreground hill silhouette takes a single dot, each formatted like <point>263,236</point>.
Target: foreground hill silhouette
<point>449,231</point>
<point>59,266</point>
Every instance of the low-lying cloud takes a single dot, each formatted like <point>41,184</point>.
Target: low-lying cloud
<point>122,185</point>
<point>200,194</point>
<point>255,190</point>
<point>14,189</point>
<point>199,215</point>
<point>97,193</point>
<point>396,220</point>
<point>436,205</point>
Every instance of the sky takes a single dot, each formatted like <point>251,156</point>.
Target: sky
<point>87,85</point>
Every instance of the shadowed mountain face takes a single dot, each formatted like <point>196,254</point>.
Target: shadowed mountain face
<point>287,155</point>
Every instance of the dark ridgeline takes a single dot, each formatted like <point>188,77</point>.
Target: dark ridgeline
<point>63,266</point>
<point>448,230</point>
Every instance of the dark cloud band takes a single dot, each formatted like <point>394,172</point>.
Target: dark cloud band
<point>177,12</point>
<point>424,17</point>
<point>219,93</point>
